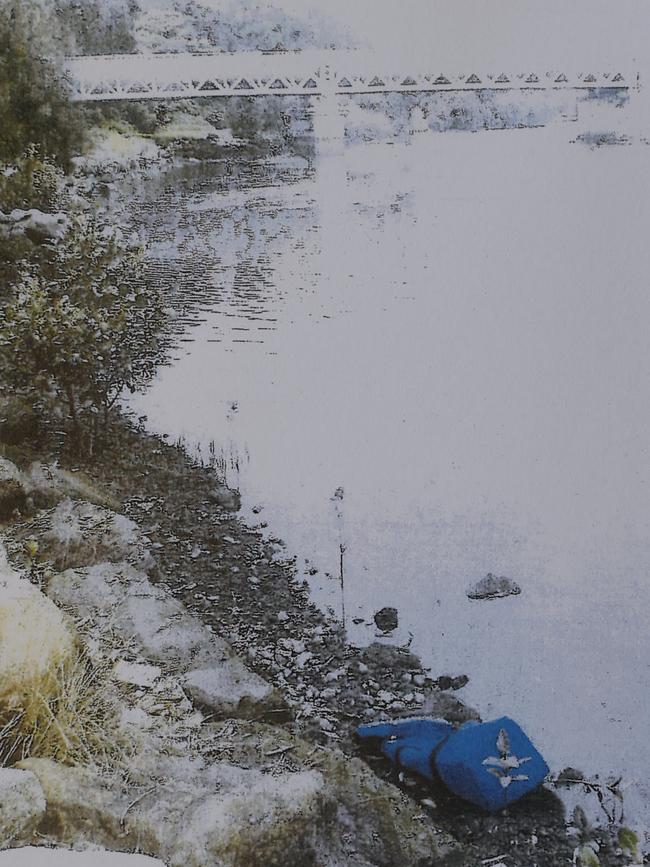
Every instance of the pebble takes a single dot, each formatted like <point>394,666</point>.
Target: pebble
<point>282,616</point>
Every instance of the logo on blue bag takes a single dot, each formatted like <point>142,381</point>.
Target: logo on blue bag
<point>502,765</point>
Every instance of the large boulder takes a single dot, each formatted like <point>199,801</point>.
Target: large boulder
<point>270,800</point>
<point>22,806</point>
<point>81,534</point>
<point>121,601</point>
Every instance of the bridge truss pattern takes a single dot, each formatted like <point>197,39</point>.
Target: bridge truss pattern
<point>307,73</point>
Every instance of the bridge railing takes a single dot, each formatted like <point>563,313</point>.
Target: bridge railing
<point>309,73</point>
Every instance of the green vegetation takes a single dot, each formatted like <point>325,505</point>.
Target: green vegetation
<point>81,329</point>
<point>78,326</point>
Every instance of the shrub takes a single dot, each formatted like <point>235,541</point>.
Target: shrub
<point>82,329</point>
<point>32,182</point>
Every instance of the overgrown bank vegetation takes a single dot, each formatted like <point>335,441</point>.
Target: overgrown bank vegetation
<point>78,326</point>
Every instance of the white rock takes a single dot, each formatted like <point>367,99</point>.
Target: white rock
<point>82,534</point>
<point>136,673</point>
<point>35,856</point>
<point>22,805</point>
<point>229,688</point>
<point>124,601</point>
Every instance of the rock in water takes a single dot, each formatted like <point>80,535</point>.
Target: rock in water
<point>386,619</point>
<point>493,587</point>
<point>224,497</point>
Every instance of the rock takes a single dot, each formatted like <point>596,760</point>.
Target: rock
<point>48,484</point>
<point>119,598</point>
<point>326,810</point>
<point>493,587</point>
<point>22,805</point>
<point>226,498</point>
<point>35,856</point>
<point>226,815</point>
<point>136,673</point>
<point>232,690</point>
<point>386,619</point>
<point>446,682</point>
<point>122,602</point>
<point>82,534</point>
<point>385,656</point>
<point>38,227</point>
<point>35,642</point>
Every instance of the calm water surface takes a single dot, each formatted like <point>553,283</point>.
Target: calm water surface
<point>454,333</point>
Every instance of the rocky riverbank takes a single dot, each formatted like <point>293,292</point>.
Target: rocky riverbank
<point>232,699</point>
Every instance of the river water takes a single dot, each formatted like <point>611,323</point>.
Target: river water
<point>435,355</point>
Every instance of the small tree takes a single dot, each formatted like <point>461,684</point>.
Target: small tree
<point>82,329</point>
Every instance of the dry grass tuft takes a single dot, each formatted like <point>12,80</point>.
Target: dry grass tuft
<point>69,717</point>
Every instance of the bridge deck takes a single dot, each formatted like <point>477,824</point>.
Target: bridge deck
<point>307,73</point>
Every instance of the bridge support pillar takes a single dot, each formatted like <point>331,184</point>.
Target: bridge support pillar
<point>328,124</point>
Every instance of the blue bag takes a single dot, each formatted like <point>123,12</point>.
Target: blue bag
<point>409,743</point>
<point>488,764</point>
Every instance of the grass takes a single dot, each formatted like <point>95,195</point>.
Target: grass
<point>67,716</point>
